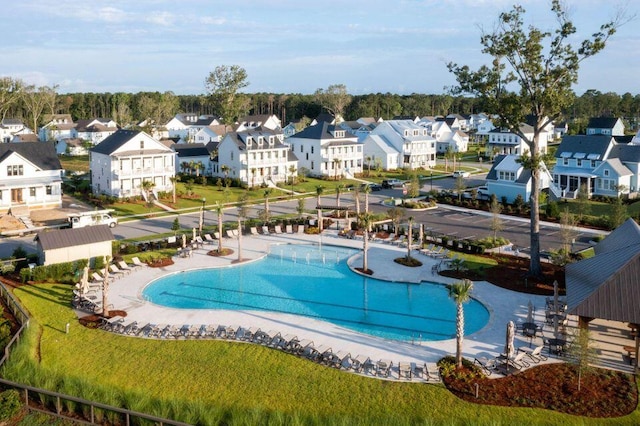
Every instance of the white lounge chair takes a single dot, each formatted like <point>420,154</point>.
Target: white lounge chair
<point>116,271</point>
<point>96,278</point>
<point>265,230</point>
<point>136,261</point>
<point>300,229</point>
<point>124,267</point>
<point>277,229</point>
<point>229,233</point>
<point>289,229</point>
<point>254,230</point>
<point>208,239</point>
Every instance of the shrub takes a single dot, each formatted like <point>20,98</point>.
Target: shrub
<point>10,404</point>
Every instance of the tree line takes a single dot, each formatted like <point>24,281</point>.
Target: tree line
<point>32,104</point>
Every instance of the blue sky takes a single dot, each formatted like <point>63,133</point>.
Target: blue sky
<point>286,46</point>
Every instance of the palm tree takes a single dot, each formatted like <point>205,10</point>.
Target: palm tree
<point>266,194</point>
<point>367,190</point>
<point>225,169</point>
<point>336,165</point>
<point>339,189</point>
<point>184,166</point>
<point>319,191</point>
<point>198,165</point>
<point>368,165</point>
<point>356,199</point>
<point>409,236</point>
<point>253,177</point>
<point>460,292</point>
<point>146,186</point>
<point>365,221</point>
<point>174,180</point>
<point>219,211</point>
<point>395,214</point>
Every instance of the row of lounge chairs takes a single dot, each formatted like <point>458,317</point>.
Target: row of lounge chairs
<point>289,343</point>
<point>117,270</point>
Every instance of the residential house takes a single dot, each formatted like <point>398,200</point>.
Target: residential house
<point>380,152</point>
<point>26,137</point>
<point>598,163</point>
<point>457,122</point>
<point>326,149</point>
<point>446,137</point>
<point>193,158</point>
<point>359,129</point>
<point>10,127</point>
<point>95,130</point>
<point>123,161</point>
<point>72,146</point>
<point>30,176</point>
<point>508,178</point>
<point>609,126</point>
<point>415,147</point>
<point>325,117</point>
<point>504,142</point>
<point>59,126</point>
<point>265,121</point>
<point>254,157</point>
<point>185,126</point>
<point>211,134</point>
<point>68,245</point>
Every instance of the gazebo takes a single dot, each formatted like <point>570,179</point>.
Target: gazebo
<point>607,285</point>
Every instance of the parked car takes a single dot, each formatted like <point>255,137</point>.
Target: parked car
<point>461,173</point>
<point>392,183</point>
<point>373,186</point>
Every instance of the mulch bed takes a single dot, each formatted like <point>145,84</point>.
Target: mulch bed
<point>512,273</point>
<point>216,253</point>
<point>159,263</point>
<point>603,393</point>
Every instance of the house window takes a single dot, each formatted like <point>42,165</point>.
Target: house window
<point>15,170</point>
<point>301,148</point>
<point>606,172</point>
<point>232,156</point>
<point>579,163</point>
<point>312,150</point>
<point>48,190</point>
<point>32,191</point>
<point>565,161</point>
<point>312,166</point>
<point>593,164</point>
<point>141,144</point>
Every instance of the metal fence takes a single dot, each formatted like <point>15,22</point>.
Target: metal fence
<point>49,402</point>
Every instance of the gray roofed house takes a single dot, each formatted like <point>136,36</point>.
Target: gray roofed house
<point>598,163</point>
<point>32,177</point>
<point>610,126</point>
<point>67,245</point>
<point>121,162</point>
<point>193,152</point>
<point>606,286</point>
<point>508,178</point>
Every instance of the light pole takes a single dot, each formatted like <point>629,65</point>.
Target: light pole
<point>204,200</point>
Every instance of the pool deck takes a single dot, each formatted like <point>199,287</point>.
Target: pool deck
<point>503,305</point>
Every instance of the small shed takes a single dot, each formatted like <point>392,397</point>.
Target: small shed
<point>67,245</point>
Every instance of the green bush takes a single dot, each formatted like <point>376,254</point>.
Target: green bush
<point>10,404</point>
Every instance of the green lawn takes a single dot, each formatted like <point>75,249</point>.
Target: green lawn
<point>75,163</point>
<point>210,381</point>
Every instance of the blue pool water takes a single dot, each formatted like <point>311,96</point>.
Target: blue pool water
<point>316,282</point>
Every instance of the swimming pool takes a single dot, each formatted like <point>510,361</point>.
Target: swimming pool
<point>316,282</point>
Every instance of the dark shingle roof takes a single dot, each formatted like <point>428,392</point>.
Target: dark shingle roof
<point>626,153</point>
<point>591,144</point>
<point>602,122</point>
<point>59,238</point>
<point>190,149</point>
<point>115,141</point>
<point>322,130</point>
<point>42,154</point>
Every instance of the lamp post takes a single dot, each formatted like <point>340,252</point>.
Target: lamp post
<point>201,225</point>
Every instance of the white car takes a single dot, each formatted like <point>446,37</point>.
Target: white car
<point>460,173</point>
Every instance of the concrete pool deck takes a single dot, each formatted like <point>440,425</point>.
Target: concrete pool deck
<point>503,305</point>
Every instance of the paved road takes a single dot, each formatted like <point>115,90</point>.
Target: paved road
<point>460,223</point>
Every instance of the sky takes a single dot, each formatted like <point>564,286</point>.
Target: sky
<point>286,46</point>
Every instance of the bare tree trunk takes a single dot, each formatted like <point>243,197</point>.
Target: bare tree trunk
<point>535,268</point>
<point>459,334</point>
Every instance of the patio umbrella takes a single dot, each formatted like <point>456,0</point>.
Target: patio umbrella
<point>421,234</point>
<point>84,281</point>
<point>530,313</point>
<point>555,297</point>
<point>184,240</point>
<point>194,234</point>
<point>509,348</point>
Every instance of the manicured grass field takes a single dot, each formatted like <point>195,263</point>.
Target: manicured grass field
<point>206,382</point>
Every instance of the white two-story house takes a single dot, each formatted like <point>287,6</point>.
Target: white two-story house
<point>185,126</point>
<point>255,157</point>
<point>326,149</point>
<point>503,142</point>
<point>30,176</point>
<point>120,163</point>
<point>414,147</point>
<point>95,130</point>
<point>58,127</point>
<point>10,127</point>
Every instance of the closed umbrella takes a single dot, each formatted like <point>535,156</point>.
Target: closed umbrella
<point>84,282</point>
<point>194,234</point>
<point>530,313</point>
<point>509,345</point>
<point>421,235</point>
<point>184,240</point>
<point>555,297</point>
